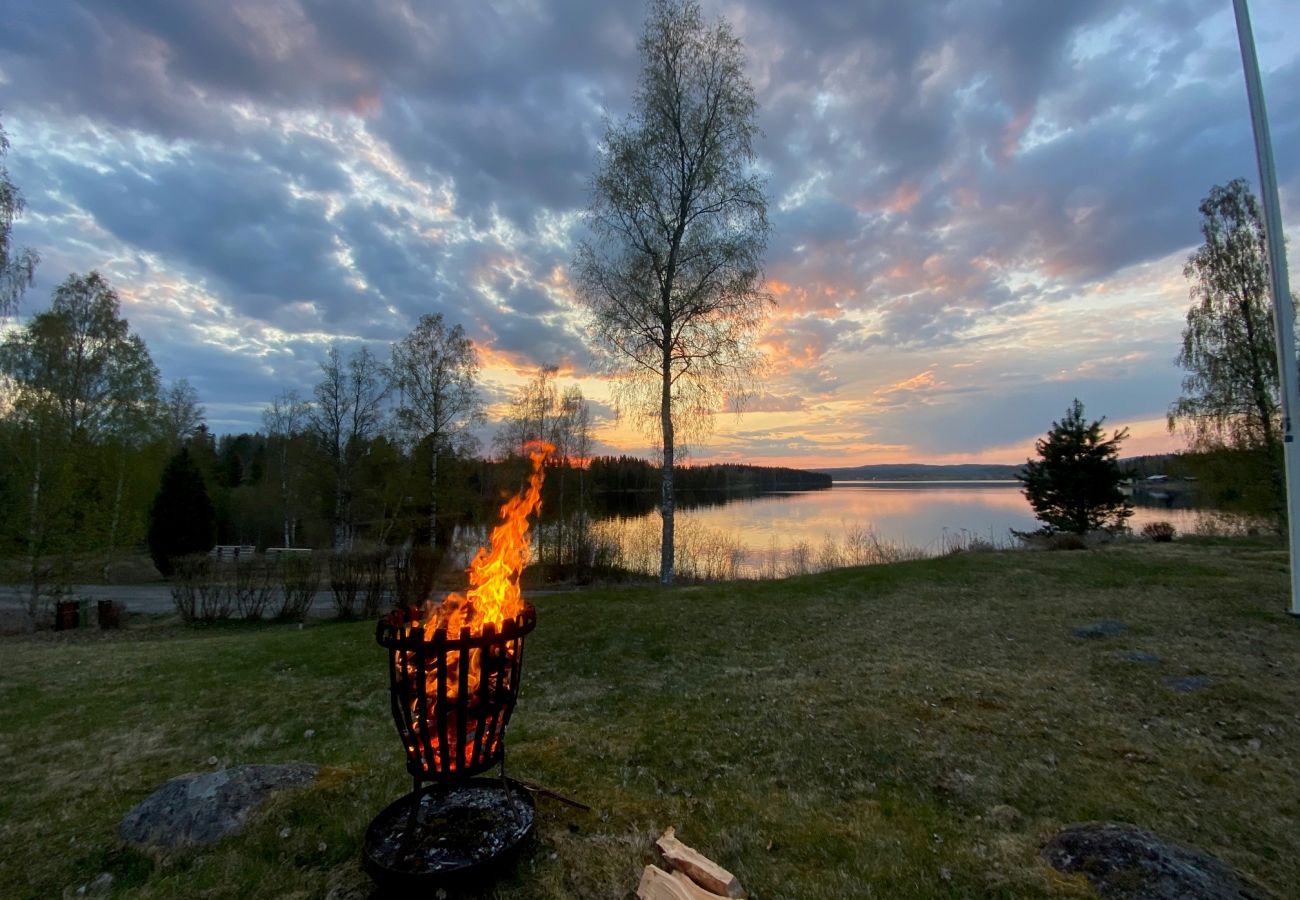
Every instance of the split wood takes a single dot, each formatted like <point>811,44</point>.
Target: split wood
<point>656,884</point>
<point>695,876</point>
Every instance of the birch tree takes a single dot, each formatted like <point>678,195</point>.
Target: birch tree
<point>284,420</point>
<point>17,267</point>
<point>434,369</point>
<point>671,272</point>
<point>348,412</point>
<point>1231,390</point>
<point>80,380</point>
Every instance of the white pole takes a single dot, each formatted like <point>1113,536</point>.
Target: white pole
<point>1283,309</point>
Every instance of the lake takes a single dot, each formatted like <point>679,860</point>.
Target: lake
<point>760,533</point>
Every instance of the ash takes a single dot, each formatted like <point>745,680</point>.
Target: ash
<point>452,830</point>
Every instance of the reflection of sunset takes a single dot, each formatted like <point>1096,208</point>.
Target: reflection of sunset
<point>909,513</point>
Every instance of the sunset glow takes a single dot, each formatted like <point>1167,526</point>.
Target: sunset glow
<point>977,217</point>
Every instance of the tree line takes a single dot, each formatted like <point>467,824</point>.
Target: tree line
<point>98,453</point>
<point>1229,410</point>
<point>670,275</point>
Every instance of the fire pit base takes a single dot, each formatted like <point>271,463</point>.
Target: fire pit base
<point>443,834</point>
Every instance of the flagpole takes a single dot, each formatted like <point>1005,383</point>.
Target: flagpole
<point>1283,309</point>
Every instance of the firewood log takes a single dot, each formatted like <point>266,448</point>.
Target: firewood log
<point>702,870</point>
<point>656,884</point>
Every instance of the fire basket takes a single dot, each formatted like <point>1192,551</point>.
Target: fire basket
<point>453,676</point>
<point>452,697</point>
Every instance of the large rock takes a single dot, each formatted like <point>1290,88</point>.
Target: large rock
<point>1130,863</point>
<point>201,809</point>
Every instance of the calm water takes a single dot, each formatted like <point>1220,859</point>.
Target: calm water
<point>925,515</point>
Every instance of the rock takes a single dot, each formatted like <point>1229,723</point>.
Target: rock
<point>1104,628</point>
<point>1141,657</point>
<point>1124,862</point>
<point>200,809</point>
<point>1188,683</point>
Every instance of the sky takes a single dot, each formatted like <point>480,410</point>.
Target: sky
<point>980,209</point>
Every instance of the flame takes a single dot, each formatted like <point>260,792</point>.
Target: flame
<point>493,595</point>
<point>493,598</point>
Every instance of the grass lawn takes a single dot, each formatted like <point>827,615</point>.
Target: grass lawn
<point>912,730</point>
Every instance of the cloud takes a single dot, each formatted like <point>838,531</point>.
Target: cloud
<point>996,184</point>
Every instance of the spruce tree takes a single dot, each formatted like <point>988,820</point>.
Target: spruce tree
<point>1074,484</point>
<point>182,519</point>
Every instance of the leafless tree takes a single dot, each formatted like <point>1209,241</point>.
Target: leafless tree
<point>531,416</point>
<point>181,414</point>
<point>671,272</point>
<point>284,420</point>
<point>347,414</point>
<point>433,369</point>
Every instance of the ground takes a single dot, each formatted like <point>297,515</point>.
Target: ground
<point>912,730</point>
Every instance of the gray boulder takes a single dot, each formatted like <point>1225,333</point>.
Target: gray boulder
<point>201,809</point>
<point>1124,862</point>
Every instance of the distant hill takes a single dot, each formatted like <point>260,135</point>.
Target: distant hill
<point>1132,466</point>
<point>919,472</point>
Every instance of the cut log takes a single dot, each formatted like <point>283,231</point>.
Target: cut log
<point>656,884</point>
<point>702,870</point>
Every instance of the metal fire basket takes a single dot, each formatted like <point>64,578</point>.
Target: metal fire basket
<point>452,728</point>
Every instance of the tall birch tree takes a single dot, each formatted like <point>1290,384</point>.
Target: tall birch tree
<point>671,272</point>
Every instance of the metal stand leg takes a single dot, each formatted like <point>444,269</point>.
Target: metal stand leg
<point>505,786</point>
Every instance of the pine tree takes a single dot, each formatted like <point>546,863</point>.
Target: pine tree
<point>182,519</point>
<point>1074,484</point>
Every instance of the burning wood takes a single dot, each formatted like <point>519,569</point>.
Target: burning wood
<point>493,595</point>
<point>454,666</point>
<point>695,876</point>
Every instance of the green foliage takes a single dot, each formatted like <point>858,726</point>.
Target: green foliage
<point>1074,484</point>
<point>81,401</point>
<point>182,520</point>
<point>1230,394</point>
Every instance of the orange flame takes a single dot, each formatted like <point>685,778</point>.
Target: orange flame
<point>493,599</point>
<point>493,595</point>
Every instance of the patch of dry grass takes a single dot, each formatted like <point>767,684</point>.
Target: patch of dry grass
<point>913,730</point>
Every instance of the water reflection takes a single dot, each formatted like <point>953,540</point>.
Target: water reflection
<point>927,516</point>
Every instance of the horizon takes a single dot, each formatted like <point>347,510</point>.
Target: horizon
<point>976,217</point>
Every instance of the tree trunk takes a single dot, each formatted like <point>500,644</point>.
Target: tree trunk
<point>117,514</point>
<point>666,497</point>
<point>340,512</point>
<point>1264,409</point>
<point>433,495</point>
<point>34,537</point>
<point>284,491</point>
